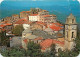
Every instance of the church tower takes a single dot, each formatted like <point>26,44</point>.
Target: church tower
<point>70,32</point>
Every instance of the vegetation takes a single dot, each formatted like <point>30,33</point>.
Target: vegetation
<point>17,30</point>
<point>33,49</point>
<point>4,39</point>
<point>13,52</point>
<point>74,52</point>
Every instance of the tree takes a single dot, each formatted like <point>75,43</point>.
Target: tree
<point>33,49</point>
<point>77,41</point>
<point>18,30</point>
<point>53,51</point>
<point>14,52</point>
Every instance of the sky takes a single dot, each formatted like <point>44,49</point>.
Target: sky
<point>40,0</point>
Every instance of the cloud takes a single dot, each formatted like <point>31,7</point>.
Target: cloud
<point>1,1</point>
<point>79,1</point>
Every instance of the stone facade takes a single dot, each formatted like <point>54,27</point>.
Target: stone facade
<point>16,41</point>
<point>48,34</point>
<point>35,10</point>
<point>43,12</point>
<point>34,17</point>
<point>36,26</point>
<point>70,32</point>
<point>8,19</point>
<point>47,18</point>
<point>24,14</point>
<point>15,18</point>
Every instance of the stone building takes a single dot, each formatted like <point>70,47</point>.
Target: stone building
<point>65,42</point>
<point>8,19</point>
<point>35,10</point>
<point>43,12</point>
<point>7,26</point>
<point>16,41</point>
<point>48,18</point>
<point>38,25</point>
<point>34,17</point>
<point>15,18</point>
<point>24,14</point>
<point>70,32</point>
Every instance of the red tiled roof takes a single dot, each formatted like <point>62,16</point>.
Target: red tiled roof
<point>25,40</point>
<point>2,25</point>
<point>7,24</point>
<point>48,42</point>
<point>46,15</point>
<point>21,21</point>
<point>33,14</point>
<point>39,38</point>
<point>55,26</point>
<point>39,22</point>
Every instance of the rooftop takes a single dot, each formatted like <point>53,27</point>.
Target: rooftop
<point>6,24</point>
<point>41,23</point>
<point>33,14</point>
<point>43,34</point>
<point>32,37</point>
<point>22,21</point>
<point>55,26</point>
<point>48,42</point>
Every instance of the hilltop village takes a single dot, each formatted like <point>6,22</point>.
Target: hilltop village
<point>41,28</point>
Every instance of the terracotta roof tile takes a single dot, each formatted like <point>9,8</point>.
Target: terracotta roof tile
<point>33,14</point>
<point>41,23</point>
<point>46,15</point>
<point>21,21</point>
<point>55,26</point>
<point>48,42</point>
<point>3,25</point>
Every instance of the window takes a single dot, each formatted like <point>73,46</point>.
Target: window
<point>67,34</point>
<point>72,20</point>
<point>72,34</point>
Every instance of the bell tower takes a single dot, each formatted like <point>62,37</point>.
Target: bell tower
<point>70,32</point>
